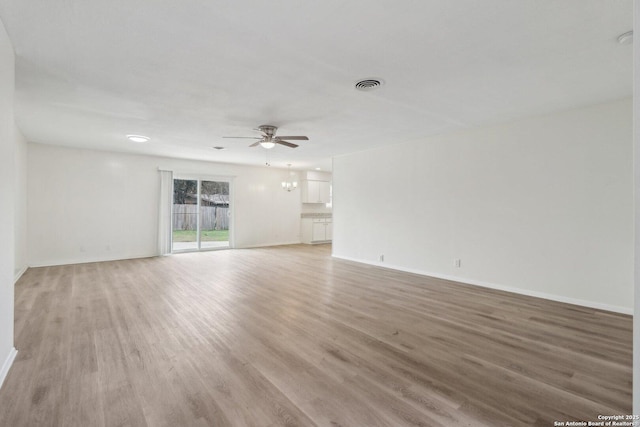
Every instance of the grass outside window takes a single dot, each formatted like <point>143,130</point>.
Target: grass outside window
<point>205,235</point>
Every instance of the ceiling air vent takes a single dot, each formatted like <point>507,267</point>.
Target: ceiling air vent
<point>368,84</point>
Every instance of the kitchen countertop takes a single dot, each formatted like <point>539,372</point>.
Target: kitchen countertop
<point>316,215</point>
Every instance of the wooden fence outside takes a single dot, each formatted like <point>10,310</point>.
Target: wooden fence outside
<point>211,217</point>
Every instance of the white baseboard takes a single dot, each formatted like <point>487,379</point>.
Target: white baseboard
<point>7,364</point>
<point>552,297</point>
<point>87,261</point>
<point>19,274</point>
<point>120,258</point>
<point>266,245</point>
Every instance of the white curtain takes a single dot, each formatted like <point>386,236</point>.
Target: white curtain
<point>164,217</point>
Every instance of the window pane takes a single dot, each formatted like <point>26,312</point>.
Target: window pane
<point>214,214</point>
<point>185,214</point>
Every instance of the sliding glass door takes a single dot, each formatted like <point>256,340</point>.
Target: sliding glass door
<point>214,214</point>
<point>201,215</point>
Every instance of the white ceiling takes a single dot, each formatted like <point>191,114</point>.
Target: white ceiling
<point>188,72</point>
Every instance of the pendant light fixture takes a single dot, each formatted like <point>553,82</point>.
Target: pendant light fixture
<point>290,183</point>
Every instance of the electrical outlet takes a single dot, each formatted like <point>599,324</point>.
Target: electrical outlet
<point>457,262</point>
<point>381,258</point>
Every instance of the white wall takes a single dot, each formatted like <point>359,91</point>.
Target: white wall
<point>7,180</point>
<point>86,205</point>
<point>542,206</point>
<point>20,201</point>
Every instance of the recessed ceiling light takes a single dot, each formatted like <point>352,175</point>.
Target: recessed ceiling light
<point>218,148</point>
<point>138,138</point>
<point>318,169</point>
<point>626,38</point>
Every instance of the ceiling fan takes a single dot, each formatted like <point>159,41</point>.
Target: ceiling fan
<point>269,138</point>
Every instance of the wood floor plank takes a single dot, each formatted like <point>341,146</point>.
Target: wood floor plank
<point>288,336</point>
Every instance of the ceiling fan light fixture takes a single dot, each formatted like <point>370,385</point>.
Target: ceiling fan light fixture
<point>268,144</point>
<point>269,138</point>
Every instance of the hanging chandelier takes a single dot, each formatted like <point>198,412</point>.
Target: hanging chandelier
<point>290,183</point>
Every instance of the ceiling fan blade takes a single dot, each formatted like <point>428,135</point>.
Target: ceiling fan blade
<point>285,143</point>
<point>294,138</point>
<point>255,143</point>
<point>243,137</point>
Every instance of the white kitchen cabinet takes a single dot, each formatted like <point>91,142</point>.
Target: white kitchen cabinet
<point>315,191</point>
<point>328,233</point>
<point>316,230</point>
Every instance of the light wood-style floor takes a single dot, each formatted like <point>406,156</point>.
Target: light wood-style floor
<point>290,336</point>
